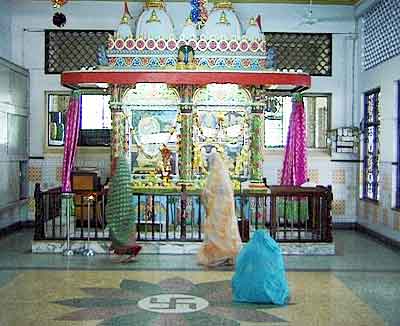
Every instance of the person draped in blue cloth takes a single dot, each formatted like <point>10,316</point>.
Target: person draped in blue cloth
<point>260,272</point>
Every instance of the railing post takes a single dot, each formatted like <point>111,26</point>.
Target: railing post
<point>39,225</point>
<point>88,251</point>
<point>273,216</point>
<point>183,212</point>
<point>66,202</point>
<point>328,222</point>
<point>244,224</point>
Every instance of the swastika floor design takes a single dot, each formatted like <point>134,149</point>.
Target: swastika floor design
<point>141,298</point>
<point>360,286</point>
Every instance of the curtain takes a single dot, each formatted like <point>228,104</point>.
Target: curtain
<point>71,138</point>
<point>294,171</point>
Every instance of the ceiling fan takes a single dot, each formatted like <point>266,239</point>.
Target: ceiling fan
<point>309,17</point>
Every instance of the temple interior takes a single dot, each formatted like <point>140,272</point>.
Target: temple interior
<point>111,115</point>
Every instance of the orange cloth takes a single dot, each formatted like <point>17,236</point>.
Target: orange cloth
<point>222,241</point>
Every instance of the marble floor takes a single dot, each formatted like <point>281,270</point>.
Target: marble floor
<point>360,285</point>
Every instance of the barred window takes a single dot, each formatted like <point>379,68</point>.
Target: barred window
<point>72,49</point>
<point>398,146</point>
<point>277,115</point>
<point>310,52</point>
<point>371,155</point>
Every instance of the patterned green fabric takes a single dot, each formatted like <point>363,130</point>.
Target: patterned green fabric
<point>119,209</point>
<point>293,209</point>
<point>67,206</point>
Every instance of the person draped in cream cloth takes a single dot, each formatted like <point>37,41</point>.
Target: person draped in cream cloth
<point>222,241</point>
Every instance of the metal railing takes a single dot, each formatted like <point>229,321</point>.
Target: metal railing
<point>292,214</point>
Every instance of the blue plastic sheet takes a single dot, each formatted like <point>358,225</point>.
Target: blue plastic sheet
<point>260,272</point>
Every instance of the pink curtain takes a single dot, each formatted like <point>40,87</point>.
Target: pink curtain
<point>71,139</point>
<point>294,172</point>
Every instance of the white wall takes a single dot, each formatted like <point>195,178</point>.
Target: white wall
<point>380,216</point>
<point>5,29</point>
<point>28,50</point>
<point>385,77</point>
<point>384,219</point>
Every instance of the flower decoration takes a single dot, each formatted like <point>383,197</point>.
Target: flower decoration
<point>58,3</point>
<point>136,302</point>
<point>203,12</point>
<point>59,19</point>
<point>195,11</point>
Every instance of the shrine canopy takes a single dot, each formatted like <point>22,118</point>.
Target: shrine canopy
<point>274,81</point>
<point>215,50</point>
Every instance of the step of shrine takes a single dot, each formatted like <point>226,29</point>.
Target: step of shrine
<point>176,248</point>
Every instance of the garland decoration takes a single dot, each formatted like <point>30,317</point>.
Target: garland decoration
<point>203,12</point>
<point>195,11</point>
<point>58,3</point>
<point>59,19</point>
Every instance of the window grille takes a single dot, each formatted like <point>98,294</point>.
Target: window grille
<point>277,114</point>
<point>67,50</point>
<point>370,130</point>
<point>381,33</point>
<point>309,52</point>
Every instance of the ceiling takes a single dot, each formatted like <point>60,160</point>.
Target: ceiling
<point>317,2</point>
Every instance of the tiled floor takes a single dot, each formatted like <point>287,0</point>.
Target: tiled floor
<point>358,286</point>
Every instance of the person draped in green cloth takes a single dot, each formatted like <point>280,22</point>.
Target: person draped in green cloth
<point>120,212</point>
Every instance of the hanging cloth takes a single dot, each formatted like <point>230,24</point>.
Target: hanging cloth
<point>294,171</point>
<point>71,138</point>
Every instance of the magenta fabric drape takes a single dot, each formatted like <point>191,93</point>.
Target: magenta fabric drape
<point>294,171</point>
<point>71,139</point>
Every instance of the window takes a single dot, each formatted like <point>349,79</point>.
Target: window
<point>398,147</point>
<point>277,114</point>
<point>72,49</point>
<point>370,131</point>
<point>95,112</point>
<point>380,33</point>
<point>310,52</point>
<point>95,125</point>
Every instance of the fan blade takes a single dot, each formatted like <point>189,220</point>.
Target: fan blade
<point>336,19</point>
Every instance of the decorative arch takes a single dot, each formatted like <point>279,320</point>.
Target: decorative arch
<point>221,121</point>
<point>152,109</point>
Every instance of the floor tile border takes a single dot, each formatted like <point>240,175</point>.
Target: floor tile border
<point>379,237</point>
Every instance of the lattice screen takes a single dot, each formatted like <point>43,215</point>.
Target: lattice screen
<point>310,52</point>
<point>381,32</point>
<point>72,49</point>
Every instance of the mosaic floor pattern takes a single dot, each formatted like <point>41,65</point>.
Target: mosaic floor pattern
<point>171,298</point>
